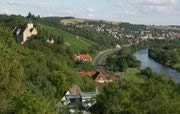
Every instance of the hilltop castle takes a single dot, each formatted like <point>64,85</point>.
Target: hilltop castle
<point>26,34</point>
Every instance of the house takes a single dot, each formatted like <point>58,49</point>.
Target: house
<point>74,98</point>
<point>101,78</point>
<point>83,57</point>
<point>27,33</point>
<point>71,95</point>
<point>105,78</point>
<point>88,99</point>
<point>50,41</point>
<point>118,46</point>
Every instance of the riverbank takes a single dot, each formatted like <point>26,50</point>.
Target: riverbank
<point>167,58</point>
<point>156,67</point>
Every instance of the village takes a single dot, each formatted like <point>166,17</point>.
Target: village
<point>125,30</point>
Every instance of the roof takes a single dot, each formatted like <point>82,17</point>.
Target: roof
<point>75,90</point>
<point>101,76</point>
<point>89,73</point>
<point>114,78</point>
<point>85,56</point>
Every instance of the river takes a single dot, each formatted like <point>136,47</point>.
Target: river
<point>142,55</point>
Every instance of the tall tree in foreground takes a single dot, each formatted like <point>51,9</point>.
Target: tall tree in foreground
<point>155,96</point>
<point>11,72</point>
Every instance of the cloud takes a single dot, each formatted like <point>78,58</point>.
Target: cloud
<point>90,9</point>
<point>90,12</point>
<point>22,3</point>
<point>130,13</point>
<point>90,15</point>
<point>157,6</point>
<point>157,2</point>
<point>4,11</point>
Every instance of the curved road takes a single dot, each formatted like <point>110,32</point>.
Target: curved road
<point>100,60</point>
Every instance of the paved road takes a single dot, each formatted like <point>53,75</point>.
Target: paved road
<point>100,60</point>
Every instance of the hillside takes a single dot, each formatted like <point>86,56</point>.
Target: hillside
<point>34,76</point>
<point>75,42</point>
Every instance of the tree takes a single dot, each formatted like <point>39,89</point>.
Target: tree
<point>147,72</point>
<point>11,71</point>
<point>29,103</point>
<point>150,97</point>
<point>123,65</point>
<point>58,80</point>
<point>11,76</point>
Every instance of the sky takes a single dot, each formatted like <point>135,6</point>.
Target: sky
<point>159,12</point>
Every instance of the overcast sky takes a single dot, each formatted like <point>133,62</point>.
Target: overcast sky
<point>135,11</point>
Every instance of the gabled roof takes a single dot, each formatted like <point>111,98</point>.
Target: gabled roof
<point>75,90</point>
<point>101,76</point>
<point>85,56</point>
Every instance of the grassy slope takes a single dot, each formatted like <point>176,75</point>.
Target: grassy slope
<point>166,28</point>
<point>131,75</point>
<point>80,43</point>
<point>80,20</point>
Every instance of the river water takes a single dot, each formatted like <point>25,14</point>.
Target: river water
<point>142,55</point>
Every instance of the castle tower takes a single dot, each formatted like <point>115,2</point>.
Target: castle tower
<point>30,25</point>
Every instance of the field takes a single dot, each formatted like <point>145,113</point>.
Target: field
<point>77,42</point>
<point>177,66</point>
<point>79,20</point>
<point>131,75</point>
<point>166,28</point>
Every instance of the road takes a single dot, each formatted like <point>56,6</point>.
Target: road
<point>100,60</point>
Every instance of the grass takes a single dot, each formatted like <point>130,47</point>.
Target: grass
<point>177,66</point>
<point>77,20</point>
<point>131,75</point>
<point>79,43</point>
<point>166,28</point>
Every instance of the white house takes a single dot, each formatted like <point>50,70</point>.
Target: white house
<point>26,34</point>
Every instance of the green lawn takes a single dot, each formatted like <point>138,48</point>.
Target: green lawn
<point>79,43</point>
<point>131,75</point>
<point>177,66</point>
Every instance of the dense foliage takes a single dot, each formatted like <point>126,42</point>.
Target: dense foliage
<point>11,71</point>
<point>122,61</point>
<point>152,96</point>
<point>35,76</point>
<point>167,53</point>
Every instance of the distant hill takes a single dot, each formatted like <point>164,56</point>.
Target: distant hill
<point>170,27</point>
<point>56,19</point>
<point>66,21</point>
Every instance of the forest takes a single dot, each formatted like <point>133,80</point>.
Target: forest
<point>167,53</point>
<point>122,60</point>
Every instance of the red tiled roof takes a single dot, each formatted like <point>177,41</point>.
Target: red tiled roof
<point>85,56</point>
<point>90,73</point>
